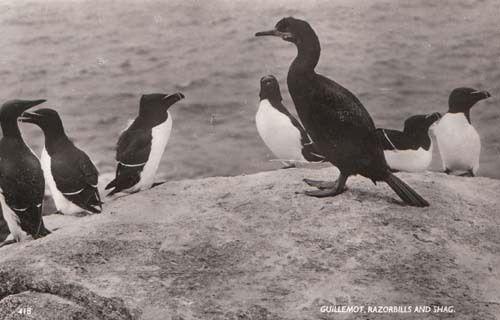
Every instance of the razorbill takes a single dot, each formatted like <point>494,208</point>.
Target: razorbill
<point>278,128</point>
<point>334,118</point>
<point>411,149</point>
<point>69,172</point>
<point>21,177</point>
<point>458,141</point>
<point>142,143</point>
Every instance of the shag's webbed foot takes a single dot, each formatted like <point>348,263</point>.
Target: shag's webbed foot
<point>328,188</point>
<point>288,166</point>
<point>321,184</point>
<point>331,192</point>
<point>447,171</point>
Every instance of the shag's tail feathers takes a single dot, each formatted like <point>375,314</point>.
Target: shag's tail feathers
<point>405,192</point>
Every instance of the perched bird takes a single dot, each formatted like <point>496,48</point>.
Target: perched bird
<point>458,141</point>
<point>334,118</point>
<point>21,177</point>
<point>141,145</point>
<point>69,172</point>
<point>411,149</point>
<point>281,132</point>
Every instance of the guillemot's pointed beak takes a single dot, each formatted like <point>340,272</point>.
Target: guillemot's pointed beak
<point>29,117</point>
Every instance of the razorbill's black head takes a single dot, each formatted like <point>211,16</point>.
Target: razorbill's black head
<point>463,99</point>
<point>155,105</point>
<point>270,89</point>
<point>420,124</point>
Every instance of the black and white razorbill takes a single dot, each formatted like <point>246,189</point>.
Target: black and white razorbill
<point>21,177</point>
<point>278,128</point>
<point>458,141</point>
<point>141,145</point>
<point>70,174</point>
<point>334,118</point>
<point>411,149</point>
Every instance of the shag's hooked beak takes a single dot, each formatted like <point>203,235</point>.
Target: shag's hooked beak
<point>29,117</point>
<point>482,94</point>
<point>284,35</point>
<point>273,32</point>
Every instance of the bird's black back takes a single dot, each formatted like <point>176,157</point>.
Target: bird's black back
<point>339,124</point>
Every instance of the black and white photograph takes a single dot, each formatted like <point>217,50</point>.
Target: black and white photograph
<point>249,160</point>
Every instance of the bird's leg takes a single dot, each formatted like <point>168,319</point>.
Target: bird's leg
<point>447,171</point>
<point>338,188</point>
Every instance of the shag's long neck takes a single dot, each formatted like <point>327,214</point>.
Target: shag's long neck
<point>10,129</point>
<point>308,52</point>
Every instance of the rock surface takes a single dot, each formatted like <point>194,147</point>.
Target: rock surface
<point>250,247</point>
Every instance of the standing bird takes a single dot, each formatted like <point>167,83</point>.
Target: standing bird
<point>21,177</point>
<point>281,132</point>
<point>141,145</point>
<point>70,174</point>
<point>459,143</point>
<point>411,149</point>
<point>334,118</point>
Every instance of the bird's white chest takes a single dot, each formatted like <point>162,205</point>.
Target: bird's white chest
<point>278,133</point>
<point>409,160</point>
<point>62,204</point>
<point>459,143</point>
<point>160,136</point>
<point>13,221</point>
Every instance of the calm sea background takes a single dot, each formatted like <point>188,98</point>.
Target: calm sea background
<point>93,59</point>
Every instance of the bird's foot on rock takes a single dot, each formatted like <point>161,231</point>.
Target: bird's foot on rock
<point>58,212</point>
<point>156,184</point>
<point>321,184</point>
<point>322,193</point>
<point>7,242</point>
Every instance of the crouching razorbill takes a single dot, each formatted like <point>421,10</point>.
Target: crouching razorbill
<point>411,149</point>
<point>458,141</point>
<point>141,145</point>
<point>70,174</point>
<point>281,132</point>
<point>21,177</point>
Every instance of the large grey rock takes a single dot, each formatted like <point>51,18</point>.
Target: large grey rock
<point>249,247</point>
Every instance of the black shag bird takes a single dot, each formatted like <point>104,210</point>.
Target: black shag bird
<point>335,119</point>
